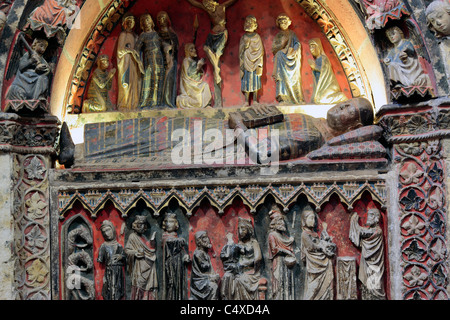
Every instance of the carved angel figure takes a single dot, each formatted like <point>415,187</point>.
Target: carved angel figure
<point>371,266</point>
<point>317,251</point>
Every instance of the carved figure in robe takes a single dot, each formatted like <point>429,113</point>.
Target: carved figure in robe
<point>204,281</point>
<point>317,252</point>
<point>32,78</point>
<point>170,47</point>
<point>242,264</point>
<point>129,67</point>
<point>402,61</point>
<point>251,59</point>
<point>281,252</point>
<point>349,123</point>
<point>287,52</point>
<point>371,265</point>
<point>375,9</point>
<point>176,257</point>
<point>53,16</point>
<point>194,92</point>
<point>112,256</point>
<point>149,46</point>
<point>97,98</point>
<point>326,86</point>
<point>141,262</point>
<point>2,20</point>
<point>217,38</point>
<point>438,21</point>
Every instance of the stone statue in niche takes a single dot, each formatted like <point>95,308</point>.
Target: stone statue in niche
<point>317,253</point>
<point>112,256</point>
<point>170,48</point>
<point>281,252</point>
<point>403,62</point>
<point>371,265</point>
<point>204,281</point>
<point>52,17</point>
<point>287,52</point>
<point>149,46</point>
<point>438,20</point>
<point>242,264</point>
<point>32,78</point>
<point>175,260</point>
<point>216,40</point>
<point>141,261</point>
<point>348,124</point>
<point>194,92</point>
<point>326,86</point>
<point>251,60</point>
<point>97,98</point>
<point>129,67</point>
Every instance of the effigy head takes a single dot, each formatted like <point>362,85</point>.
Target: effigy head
<point>438,17</point>
<point>351,114</point>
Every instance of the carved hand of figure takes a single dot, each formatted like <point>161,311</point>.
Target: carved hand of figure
<point>291,53</point>
<point>186,258</point>
<point>403,56</point>
<point>116,258</point>
<point>41,68</point>
<point>140,253</point>
<point>312,64</point>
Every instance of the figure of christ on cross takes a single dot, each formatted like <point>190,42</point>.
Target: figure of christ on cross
<point>216,40</point>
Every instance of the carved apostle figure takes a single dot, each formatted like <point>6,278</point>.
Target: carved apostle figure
<point>204,281</point>
<point>129,67</point>
<point>194,92</point>
<point>281,252</point>
<point>242,264</point>
<point>32,78</point>
<point>251,59</point>
<point>317,252</point>
<point>149,46</point>
<point>286,49</point>
<point>112,256</point>
<point>371,266</point>
<point>97,98</point>
<point>438,20</point>
<point>170,47</point>
<point>326,86</point>
<point>175,258</point>
<point>402,61</point>
<point>141,262</point>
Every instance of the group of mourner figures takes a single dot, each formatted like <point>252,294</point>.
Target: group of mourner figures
<point>242,261</point>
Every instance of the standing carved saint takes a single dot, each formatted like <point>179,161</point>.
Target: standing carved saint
<point>317,252</point>
<point>129,67</point>
<point>175,259</point>
<point>438,20</point>
<point>242,264</point>
<point>149,46</point>
<point>97,98</point>
<point>402,61</point>
<point>371,266</point>
<point>251,59</point>
<point>204,281</point>
<point>281,252</point>
<point>286,49</point>
<point>141,262</point>
<point>112,255</point>
<point>217,38</point>
<point>170,47</point>
<point>326,86</point>
<point>194,92</point>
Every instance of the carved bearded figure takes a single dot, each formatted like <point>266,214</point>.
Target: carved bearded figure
<point>141,262</point>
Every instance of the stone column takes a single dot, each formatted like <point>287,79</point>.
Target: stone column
<point>26,149</point>
<point>416,134</point>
